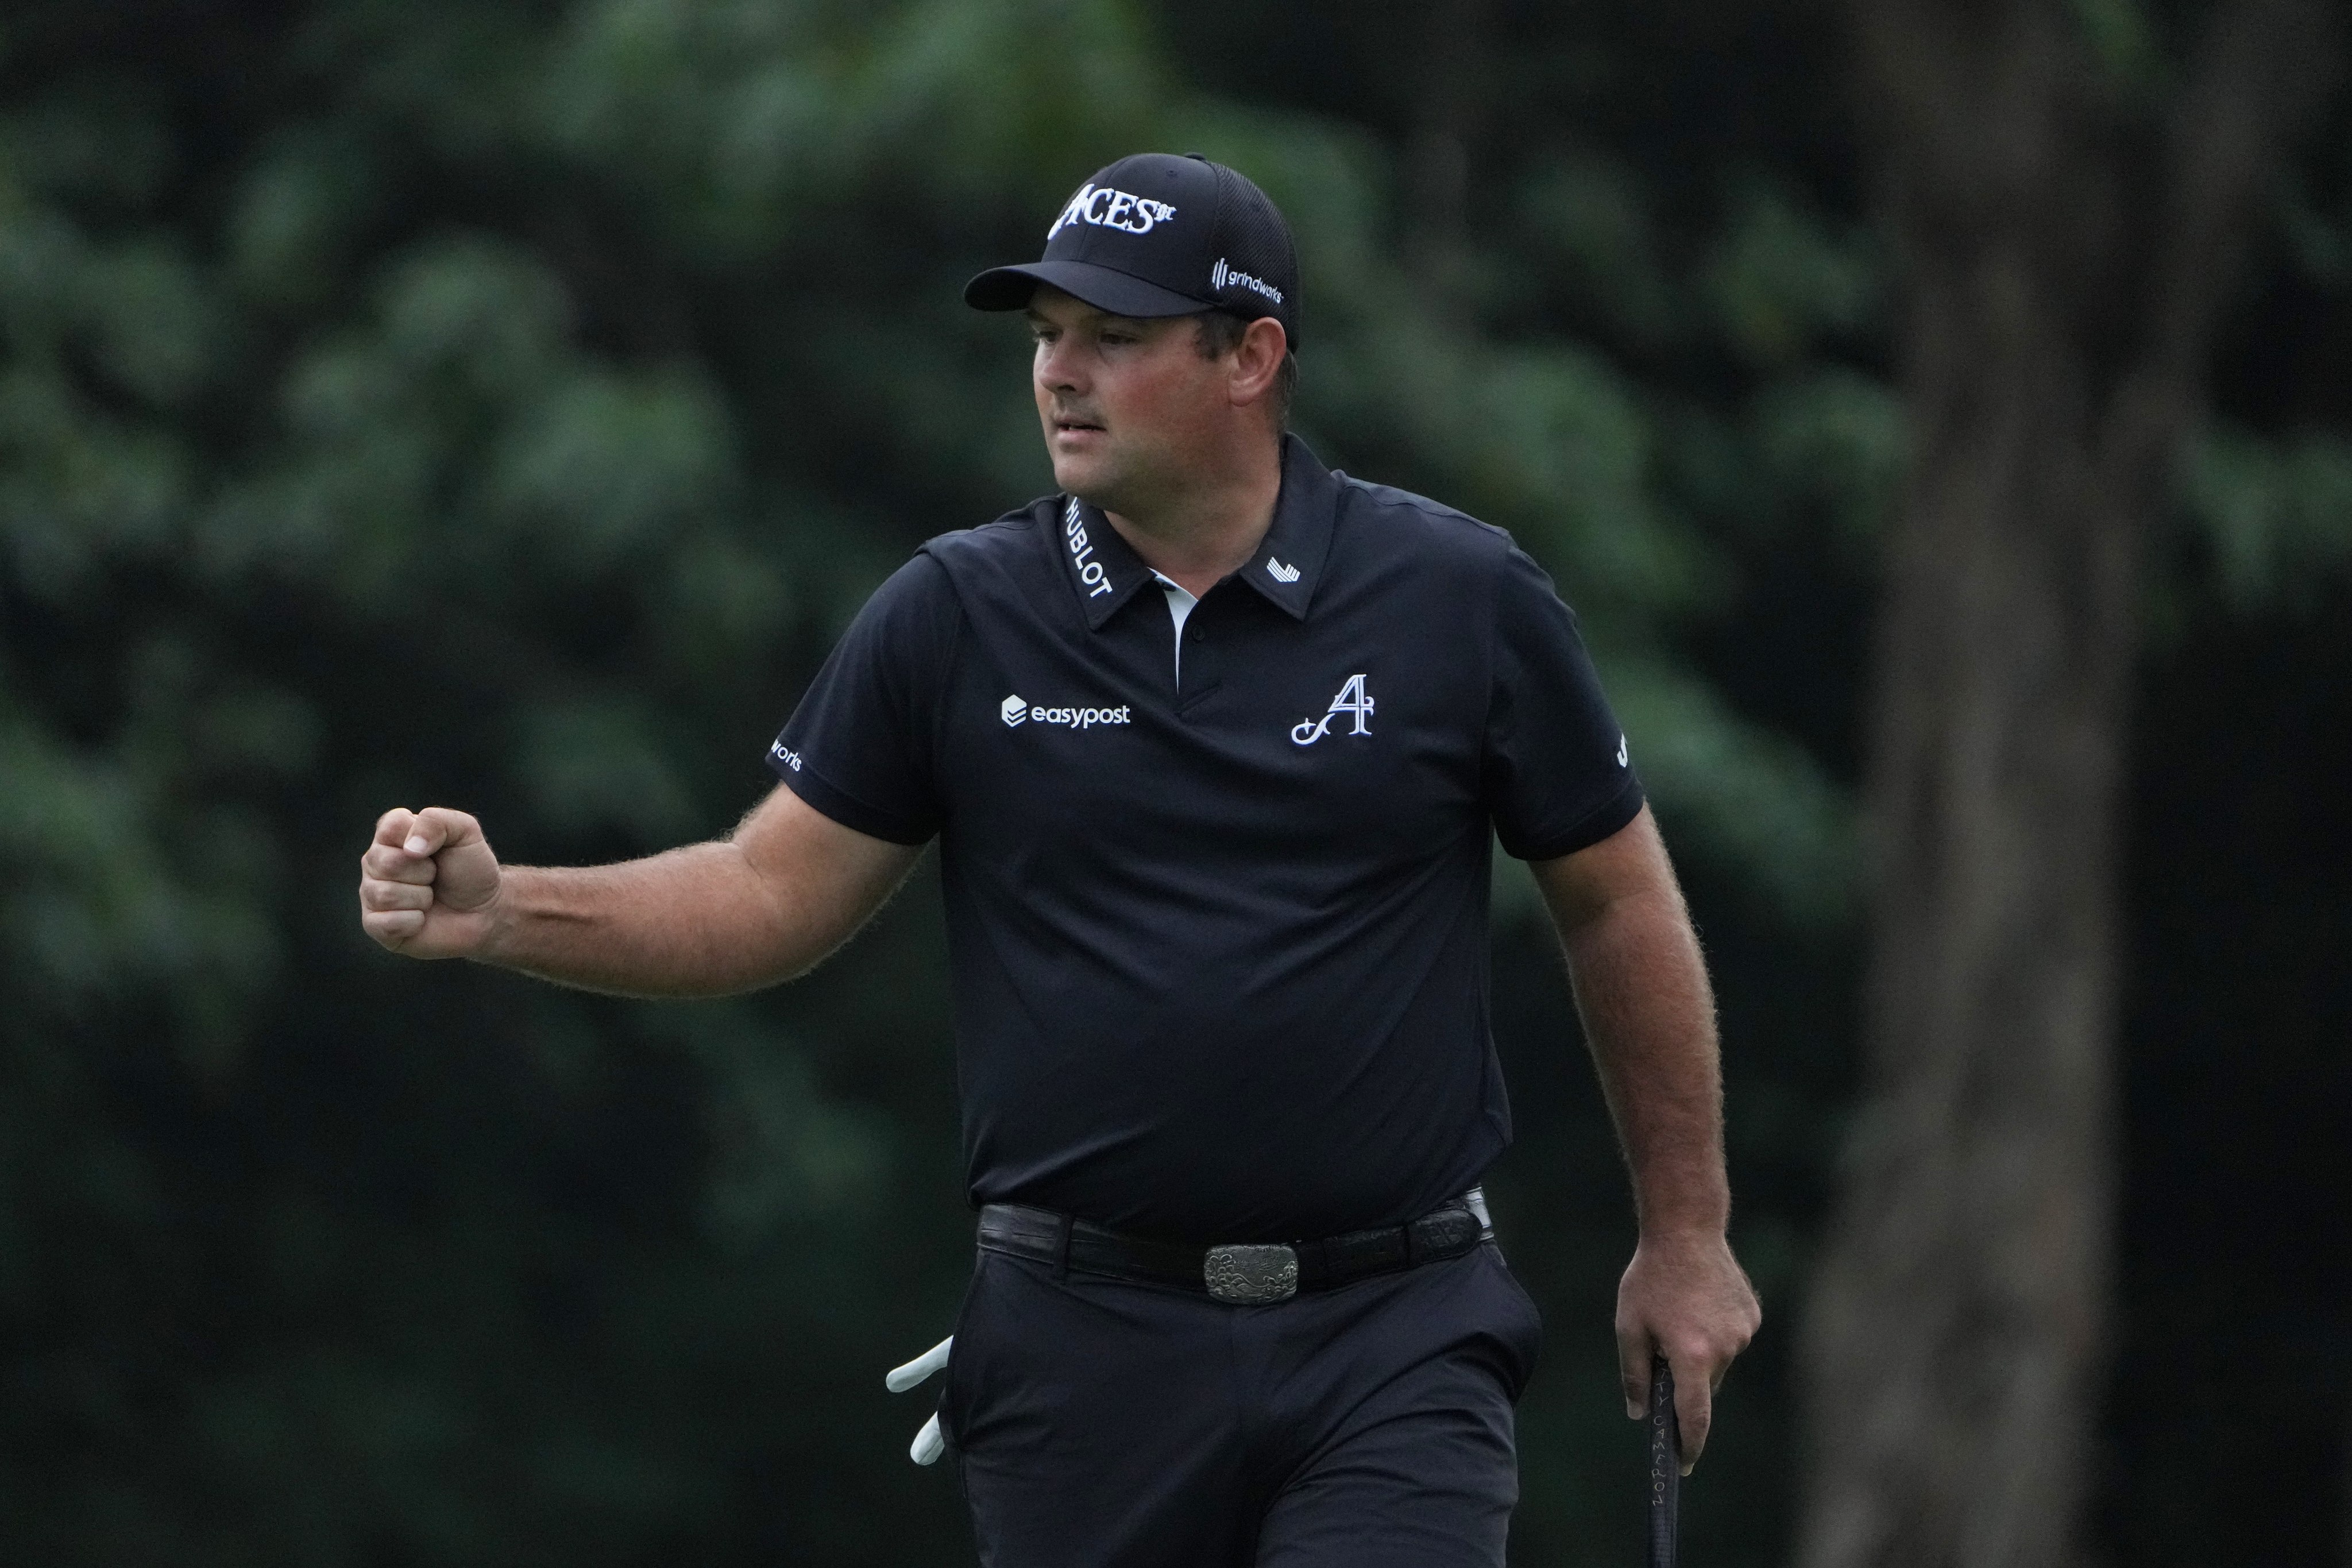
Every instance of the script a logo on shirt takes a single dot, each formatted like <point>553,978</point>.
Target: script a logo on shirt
<point>1353,699</point>
<point>1014,710</point>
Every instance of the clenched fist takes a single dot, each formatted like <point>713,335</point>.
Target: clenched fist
<point>429,884</point>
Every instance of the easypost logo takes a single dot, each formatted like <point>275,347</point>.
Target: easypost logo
<point>1017,711</point>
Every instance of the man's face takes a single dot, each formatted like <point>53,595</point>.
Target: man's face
<point>1129,406</point>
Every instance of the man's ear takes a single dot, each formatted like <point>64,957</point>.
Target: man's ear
<point>1258,361</point>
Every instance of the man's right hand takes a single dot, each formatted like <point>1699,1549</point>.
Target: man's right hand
<point>429,884</point>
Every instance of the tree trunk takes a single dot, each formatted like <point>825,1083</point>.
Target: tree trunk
<point>2063,256</point>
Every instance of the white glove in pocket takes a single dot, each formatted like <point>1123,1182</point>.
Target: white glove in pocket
<point>928,1444</point>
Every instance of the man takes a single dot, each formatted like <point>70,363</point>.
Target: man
<point>1216,742</point>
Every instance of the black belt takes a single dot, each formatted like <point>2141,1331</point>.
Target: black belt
<point>1246,1274</point>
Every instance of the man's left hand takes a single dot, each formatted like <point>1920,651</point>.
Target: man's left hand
<point>1685,1298</point>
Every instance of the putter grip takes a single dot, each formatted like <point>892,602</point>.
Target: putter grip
<point>1665,1466</point>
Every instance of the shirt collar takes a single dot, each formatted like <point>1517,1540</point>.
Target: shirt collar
<point>1289,562</point>
<point>1104,570</point>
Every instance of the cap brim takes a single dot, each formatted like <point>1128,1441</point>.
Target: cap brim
<point>1103,287</point>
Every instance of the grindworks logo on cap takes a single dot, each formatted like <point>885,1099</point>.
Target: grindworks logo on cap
<point>1107,208</point>
<point>1223,275</point>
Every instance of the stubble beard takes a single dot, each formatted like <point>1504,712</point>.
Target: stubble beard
<point>1101,480</point>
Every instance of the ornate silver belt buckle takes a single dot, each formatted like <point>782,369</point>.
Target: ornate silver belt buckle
<point>1252,1276</point>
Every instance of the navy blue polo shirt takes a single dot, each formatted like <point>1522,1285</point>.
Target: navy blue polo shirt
<point>1219,943</point>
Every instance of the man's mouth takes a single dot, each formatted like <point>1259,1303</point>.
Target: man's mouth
<point>1063,422</point>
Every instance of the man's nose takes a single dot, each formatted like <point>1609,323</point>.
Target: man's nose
<point>1059,369</point>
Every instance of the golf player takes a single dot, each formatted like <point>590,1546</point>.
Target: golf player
<point>1216,744</point>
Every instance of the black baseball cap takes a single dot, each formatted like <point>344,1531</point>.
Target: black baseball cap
<point>1159,234</point>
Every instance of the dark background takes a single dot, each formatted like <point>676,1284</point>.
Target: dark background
<point>504,406</point>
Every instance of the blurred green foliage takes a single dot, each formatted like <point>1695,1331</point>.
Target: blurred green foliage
<point>504,406</point>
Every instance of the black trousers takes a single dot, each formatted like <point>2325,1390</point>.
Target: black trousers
<point>1101,1424</point>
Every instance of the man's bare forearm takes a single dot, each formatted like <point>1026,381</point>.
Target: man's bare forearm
<point>1649,1017</point>
<point>786,887</point>
<point>693,921</point>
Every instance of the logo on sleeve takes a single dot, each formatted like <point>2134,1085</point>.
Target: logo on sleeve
<point>1353,699</point>
<point>1621,748</point>
<point>1014,710</point>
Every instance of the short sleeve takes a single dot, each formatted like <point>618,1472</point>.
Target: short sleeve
<point>862,745</point>
<point>1557,773</point>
